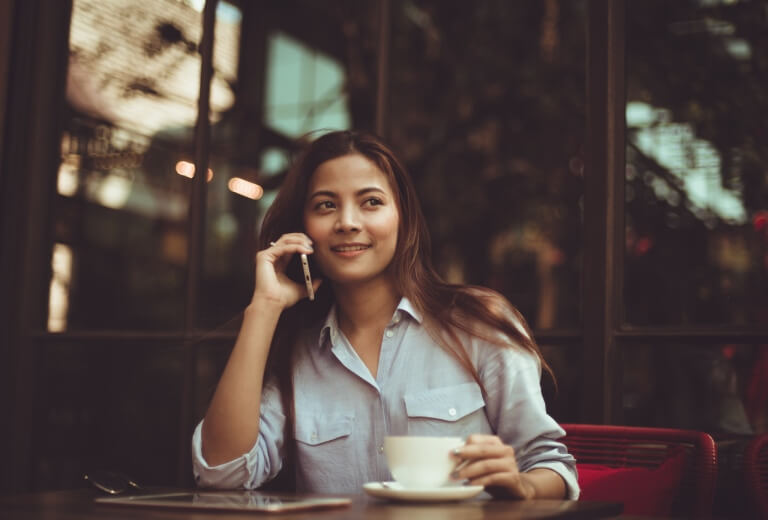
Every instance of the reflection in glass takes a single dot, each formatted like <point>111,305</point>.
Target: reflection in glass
<point>487,108</point>
<point>303,73</point>
<point>718,389</point>
<point>61,277</point>
<point>696,190</point>
<point>137,66</point>
<point>131,105</point>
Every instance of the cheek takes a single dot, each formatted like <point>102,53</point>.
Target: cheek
<point>313,228</point>
<point>386,226</point>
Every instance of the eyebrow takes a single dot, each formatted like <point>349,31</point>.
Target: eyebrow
<point>358,193</point>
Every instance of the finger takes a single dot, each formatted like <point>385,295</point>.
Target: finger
<point>484,451</point>
<point>475,439</point>
<point>478,468</point>
<point>462,463</point>
<point>292,238</point>
<point>280,255</point>
<point>284,248</point>
<point>280,247</point>
<point>481,438</point>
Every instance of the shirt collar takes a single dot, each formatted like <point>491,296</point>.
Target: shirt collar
<point>330,328</point>
<point>406,306</point>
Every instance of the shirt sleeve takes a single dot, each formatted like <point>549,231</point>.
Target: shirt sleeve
<point>250,470</point>
<point>517,412</point>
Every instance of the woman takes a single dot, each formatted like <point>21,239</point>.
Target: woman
<point>386,348</point>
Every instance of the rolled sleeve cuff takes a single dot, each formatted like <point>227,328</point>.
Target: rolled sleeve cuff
<point>568,474</point>
<point>229,475</point>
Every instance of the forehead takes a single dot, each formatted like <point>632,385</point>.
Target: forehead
<point>348,171</point>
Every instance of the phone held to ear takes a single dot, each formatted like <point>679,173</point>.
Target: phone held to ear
<point>307,276</point>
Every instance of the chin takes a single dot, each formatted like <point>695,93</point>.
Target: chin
<point>350,278</point>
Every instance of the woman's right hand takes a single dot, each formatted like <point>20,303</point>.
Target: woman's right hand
<point>272,284</point>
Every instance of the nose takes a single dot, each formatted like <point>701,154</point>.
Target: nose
<point>348,219</point>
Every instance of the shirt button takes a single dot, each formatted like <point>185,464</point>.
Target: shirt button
<point>390,333</point>
<point>452,411</point>
<point>314,436</point>
<point>381,449</point>
<point>397,319</point>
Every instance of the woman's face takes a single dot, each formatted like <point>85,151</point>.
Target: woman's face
<point>351,215</point>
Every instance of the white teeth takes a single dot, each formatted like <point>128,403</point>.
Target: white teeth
<point>344,249</point>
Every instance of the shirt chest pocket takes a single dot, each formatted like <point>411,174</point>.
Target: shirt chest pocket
<point>450,410</point>
<point>321,438</point>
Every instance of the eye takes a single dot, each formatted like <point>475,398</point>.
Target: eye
<point>324,205</point>
<point>373,201</point>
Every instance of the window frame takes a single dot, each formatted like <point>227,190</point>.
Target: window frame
<point>33,92</point>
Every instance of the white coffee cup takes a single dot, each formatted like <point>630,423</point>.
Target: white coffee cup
<point>421,462</point>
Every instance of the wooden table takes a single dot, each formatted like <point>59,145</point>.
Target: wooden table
<point>79,505</point>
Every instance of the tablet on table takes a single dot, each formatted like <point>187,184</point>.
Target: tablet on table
<point>228,501</point>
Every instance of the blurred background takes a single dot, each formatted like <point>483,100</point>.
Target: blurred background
<point>603,164</point>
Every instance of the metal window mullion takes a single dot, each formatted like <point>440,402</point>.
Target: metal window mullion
<point>616,143</point>
<point>196,224</point>
<point>382,66</point>
<point>196,235</point>
<point>35,94</point>
<point>603,211</point>
<point>704,337</point>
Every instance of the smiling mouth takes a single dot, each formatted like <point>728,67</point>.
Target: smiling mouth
<point>348,249</point>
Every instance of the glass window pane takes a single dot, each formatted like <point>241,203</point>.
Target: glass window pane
<point>563,394</point>
<point>212,357</point>
<point>315,71</point>
<point>488,110</point>
<point>696,188</point>
<point>120,215</point>
<point>304,88</point>
<point>718,389</point>
<point>110,407</point>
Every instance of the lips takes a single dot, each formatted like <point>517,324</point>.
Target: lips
<point>349,248</point>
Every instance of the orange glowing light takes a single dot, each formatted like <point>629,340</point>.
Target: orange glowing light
<point>245,188</point>
<point>187,169</point>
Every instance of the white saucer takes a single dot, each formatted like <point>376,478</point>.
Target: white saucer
<point>395,491</point>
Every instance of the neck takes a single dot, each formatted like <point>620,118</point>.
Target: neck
<point>365,306</point>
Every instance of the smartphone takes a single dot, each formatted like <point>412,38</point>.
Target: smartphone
<point>307,276</point>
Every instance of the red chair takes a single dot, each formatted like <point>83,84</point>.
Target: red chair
<point>756,469</point>
<point>653,471</point>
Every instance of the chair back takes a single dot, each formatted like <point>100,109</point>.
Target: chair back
<point>639,447</point>
<point>756,470</point>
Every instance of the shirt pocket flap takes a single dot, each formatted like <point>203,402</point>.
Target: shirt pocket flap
<point>317,429</point>
<point>449,403</point>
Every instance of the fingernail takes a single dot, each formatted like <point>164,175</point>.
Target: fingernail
<point>457,451</point>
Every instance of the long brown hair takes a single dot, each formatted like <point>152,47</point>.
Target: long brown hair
<point>448,309</point>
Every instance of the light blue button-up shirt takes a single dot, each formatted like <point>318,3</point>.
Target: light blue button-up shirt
<point>343,412</point>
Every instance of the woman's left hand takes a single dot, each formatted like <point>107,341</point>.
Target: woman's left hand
<point>486,461</point>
